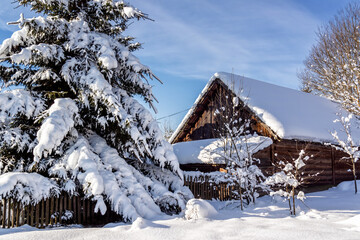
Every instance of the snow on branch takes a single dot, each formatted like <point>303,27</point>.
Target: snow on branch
<point>60,120</point>
<point>103,174</point>
<point>18,102</point>
<point>27,188</point>
<point>289,177</point>
<point>15,138</point>
<point>42,52</point>
<point>348,145</point>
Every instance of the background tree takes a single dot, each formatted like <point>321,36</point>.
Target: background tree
<point>167,129</point>
<point>347,145</point>
<point>75,121</point>
<point>332,68</point>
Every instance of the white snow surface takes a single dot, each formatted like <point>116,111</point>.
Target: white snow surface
<point>291,114</point>
<point>331,215</point>
<point>210,151</point>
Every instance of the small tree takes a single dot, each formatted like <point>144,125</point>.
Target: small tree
<point>288,179</point>
<point>332,67</point>
<point>348,146</point>
<point>234,135</point>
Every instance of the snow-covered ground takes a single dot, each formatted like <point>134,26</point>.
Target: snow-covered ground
<point>331,214</point>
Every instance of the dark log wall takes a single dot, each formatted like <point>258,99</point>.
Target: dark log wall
<point>325,167</point>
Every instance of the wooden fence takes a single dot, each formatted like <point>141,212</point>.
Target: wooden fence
<point>202,187</point>
<point>53,212</point>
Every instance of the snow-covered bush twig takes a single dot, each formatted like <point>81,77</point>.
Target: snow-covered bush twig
<point>234,132</point>
<point>289,177</point>
<point>348,145</point>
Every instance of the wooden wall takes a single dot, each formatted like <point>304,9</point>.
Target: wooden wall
<point>326,165</point>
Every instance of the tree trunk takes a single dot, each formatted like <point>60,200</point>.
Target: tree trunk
<point>241,199</point>
<point>287,190</point>
<point>293,198</point>
<point>354,174</point>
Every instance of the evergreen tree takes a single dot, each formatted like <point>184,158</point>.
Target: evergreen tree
<point>75,121</point>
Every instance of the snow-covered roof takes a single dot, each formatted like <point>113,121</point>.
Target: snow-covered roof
<point>210,151</point>
<point>291,114</point>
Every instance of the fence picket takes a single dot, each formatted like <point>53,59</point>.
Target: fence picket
<point>47,213</point>
<point>4,213</point>
<point>61,209</point>
<point>57,211</point>
<point>79,209</point>
<point>17,223</point>
<point>42,214</point>
<point>9,213</point>
<point>51,211</point>
<point>22,217</point>
<point>37,214</point>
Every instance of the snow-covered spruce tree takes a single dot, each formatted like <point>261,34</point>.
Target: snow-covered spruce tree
<point>237,146</point>
<point>288,179</point>
<point>74,123</point>
<point>348,146</point>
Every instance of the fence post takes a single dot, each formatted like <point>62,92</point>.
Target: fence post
<point>3,212</point>
<point>60,209</point>
<point>42,213</point>
<point>32,215</point>
<point>51,210</point>
<point>79,209</point>
<point>9,213</point>
<point>57,210</point>
<point>37,214</point>
<point>22,217</point>
<point>27,214</point>
<point>17,214</point>
<point>47,213</point>
<point>13,212</point>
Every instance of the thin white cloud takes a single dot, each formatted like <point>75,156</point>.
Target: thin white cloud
<point>210,36</point>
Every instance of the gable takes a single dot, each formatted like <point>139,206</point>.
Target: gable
<point>200,122</point>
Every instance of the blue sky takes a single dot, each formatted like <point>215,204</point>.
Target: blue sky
<point>190,40</point>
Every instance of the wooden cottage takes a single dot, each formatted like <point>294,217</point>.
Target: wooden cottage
<point>294,120</point>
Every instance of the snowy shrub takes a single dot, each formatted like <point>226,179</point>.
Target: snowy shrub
<point>237,145</point>
<point>75,122</point>
<point>288,179</point>
<point>198,209</point>
<point>348,145</point>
